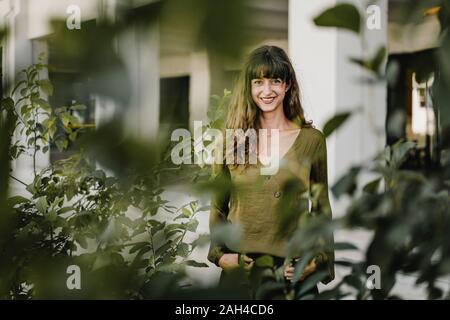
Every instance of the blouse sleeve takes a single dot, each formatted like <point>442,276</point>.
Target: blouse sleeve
<point>319,176</point>
<point>219,209</point>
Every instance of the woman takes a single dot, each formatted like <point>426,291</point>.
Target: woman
<point>267,96</point>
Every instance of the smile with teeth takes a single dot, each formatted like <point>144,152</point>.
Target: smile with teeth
<point>267,100</point>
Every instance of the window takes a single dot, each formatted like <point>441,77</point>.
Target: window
<point>410,114</point>
<point>174,104</point>
<point>71,86</point>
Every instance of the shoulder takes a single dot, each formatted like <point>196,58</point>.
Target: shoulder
<point>313,136</point>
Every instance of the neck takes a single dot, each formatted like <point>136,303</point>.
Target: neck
<point>274,120</point>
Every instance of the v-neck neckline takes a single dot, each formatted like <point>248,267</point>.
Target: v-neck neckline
<point>291,148</point>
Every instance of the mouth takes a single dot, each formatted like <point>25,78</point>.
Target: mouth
<point>267,100</point>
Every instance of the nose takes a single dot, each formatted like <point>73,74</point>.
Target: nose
<point>267,89</point>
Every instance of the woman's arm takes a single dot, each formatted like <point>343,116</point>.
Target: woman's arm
<point>319,176</point>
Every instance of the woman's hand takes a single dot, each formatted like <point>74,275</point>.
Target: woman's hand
<point>231,260</point>
<point>310,268</point>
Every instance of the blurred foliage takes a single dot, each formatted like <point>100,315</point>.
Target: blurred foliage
<point>77,214</point>
<point>103,207</point>
<point>407,212</point>
<point>343,15</point>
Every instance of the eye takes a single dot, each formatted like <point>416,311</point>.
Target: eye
<point>277,81</point>
<point>257,82</point>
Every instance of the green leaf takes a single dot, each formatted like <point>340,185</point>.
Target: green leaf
<point>163,248</point>
<point>125,221</point>
<point>61,144</point>
<point>183,250</point>
<point>192,225</point>
<point>45,86</point>
<point>60,110</point>
<point>265,261</point>
<point>174,226</point>
<point>373,64</point>
<point>99,174</point>
<point>181,216</point>
<point>345,246</point>
<point>193,205</point>
<point>346,184</point>
<point>301,265</point>
<point>73,136</point>
<point>110,181</point>
<point>20,83</point>
<point>186,213</point>
<point>193,263</point>
<point>311,281</point>
<point>400,152</point>
<point>7,104</point>
<point>157,226</point>
<point>345,16</point>
<point>353,281</point>
<point>24,109</point>
<point>81,240</point>
<point>387,154</point>
<point>65,119</point>
<point>372,187</point>
<point>168,259</point>
<point>44,104</point>
<point>31,141</point>
<point>52,215</point>
<point>65,209</point>
<point>42,204</point>
<point>31,188</point>
<point>202,240</point>
<point>12,201</point>
<point>335,122</point>
<point>52,131</point>
<point>173,232</point>
<point>78,107</point>
<point>74,120</point>
<point>117,259</point>
<point>139,246</point>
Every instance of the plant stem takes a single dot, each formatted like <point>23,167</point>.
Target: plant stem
<point>12,177</point>
<point>35,146</point>
<point>184,232</point>
<point>153,249</point>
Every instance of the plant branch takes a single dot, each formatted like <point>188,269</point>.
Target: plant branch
<point>20,181</point>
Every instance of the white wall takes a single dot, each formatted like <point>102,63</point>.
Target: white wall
<point>331,85</point>
<point>313,54</point>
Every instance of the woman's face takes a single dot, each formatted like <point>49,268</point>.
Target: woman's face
<point>268,93</point>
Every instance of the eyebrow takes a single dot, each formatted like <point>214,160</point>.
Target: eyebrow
<point>276,78</point>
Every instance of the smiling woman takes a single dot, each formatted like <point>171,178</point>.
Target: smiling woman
<point>267,96</point>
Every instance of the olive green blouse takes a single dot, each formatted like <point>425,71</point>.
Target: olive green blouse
<point>253,202</point>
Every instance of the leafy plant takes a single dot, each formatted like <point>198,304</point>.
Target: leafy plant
<point>77,214</point>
